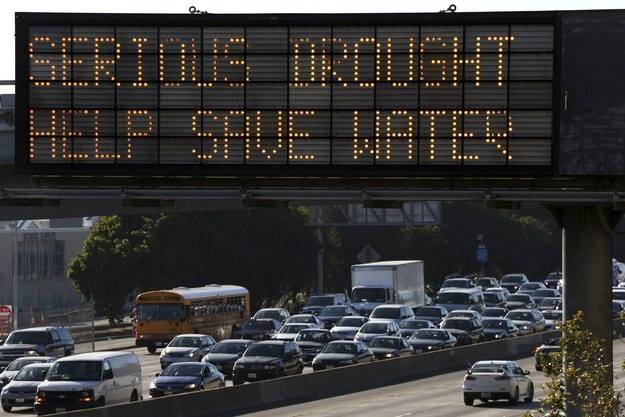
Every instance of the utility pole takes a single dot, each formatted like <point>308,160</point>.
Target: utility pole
<point>320,250</point>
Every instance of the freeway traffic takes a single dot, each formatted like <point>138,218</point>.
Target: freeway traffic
<point>439,396</point>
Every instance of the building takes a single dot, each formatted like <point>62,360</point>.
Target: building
<point>44,250</point>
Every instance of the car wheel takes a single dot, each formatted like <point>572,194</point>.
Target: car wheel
<point>152,349</point>
<point>7,408</point>
<point>530,394</point>
<point>514,399</point>
<point>101,402</point>
<point>468,400</point>
<point>237,381</point>
<point>134,397</point>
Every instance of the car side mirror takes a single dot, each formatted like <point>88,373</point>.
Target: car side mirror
<point>1,342</point>
<point>526,372</point>
<point>157,375</point>
<point>108,374</point>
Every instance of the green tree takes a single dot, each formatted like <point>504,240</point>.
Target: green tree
<point>106,270</point>
<point>586,369</point>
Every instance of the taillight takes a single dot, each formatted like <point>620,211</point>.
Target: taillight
<point>470,378</point>
<point>502,378</point>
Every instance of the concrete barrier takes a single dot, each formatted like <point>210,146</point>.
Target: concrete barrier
<point>314,386</point>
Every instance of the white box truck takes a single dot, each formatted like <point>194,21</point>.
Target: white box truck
<point>389,282</point>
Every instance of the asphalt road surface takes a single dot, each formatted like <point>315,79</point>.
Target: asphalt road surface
<point>438,396</point>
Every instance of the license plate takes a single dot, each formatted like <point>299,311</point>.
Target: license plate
<point>485,395</point>
<point>19,400</point>
<point>59,410</point>
<point>168,392</point>
<point>251,376</point>
<point>329,366</point>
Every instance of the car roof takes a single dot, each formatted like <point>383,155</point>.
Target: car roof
<point>391,305</point>
<point>334,342</point>
<point>236,341</point>
<point>459,318</point>
<point>271,309</point>
<point>314,329</point>
<point>36,329</point>
<point>355,317</point>
<point>302,315</point>
<point>464,311</point>
<point>41,359</point>
<point>190,363</point>
<point>389,337</point>
<point>95,356</point>
<point>494,318</point>
<point>495,362</point>
<point>191,335</point>
<point>461,290</point>
<point>374,320</point>
<point>272,342</point>
<point>38,365</point>
<point>522,310</point>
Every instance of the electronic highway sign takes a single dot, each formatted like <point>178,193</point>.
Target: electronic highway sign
<point>289,95</point>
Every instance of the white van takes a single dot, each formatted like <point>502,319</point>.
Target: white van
<point>90,380</point>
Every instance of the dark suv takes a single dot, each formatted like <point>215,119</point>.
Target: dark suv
<point>266,360</point>
<point>38,341</point>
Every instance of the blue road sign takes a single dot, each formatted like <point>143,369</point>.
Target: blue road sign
<point>481,254</point>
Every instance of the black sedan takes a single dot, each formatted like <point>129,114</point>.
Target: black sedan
<point>257,329</point>
<point>226,353</point>
<point>499,328</point>
<point>311,342</point>
<point>435,314</point>
<point>407,327</point>
<point>266,360</point>
<point>342,353</point>
<point>426,340</point>
<point>387,347</point>
<point>186,377</point>
<point>466,330</point>
<point>331,314</point>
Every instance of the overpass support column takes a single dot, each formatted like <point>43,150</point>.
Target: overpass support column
<point>587,270</point>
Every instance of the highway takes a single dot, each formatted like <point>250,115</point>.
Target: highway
<point>438,396</point>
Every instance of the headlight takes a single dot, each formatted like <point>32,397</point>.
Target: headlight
<point>498,336</point>
<point>525,327</point>
<point>270,366</point>
<point>192,354</point>
<point>32,353</point>
<point>165,352</point>
<point>190,386</point>
<point>388,355</point>
<point>152,385</point>
<point>358,337</point>
<point>430,347</point>
<point>86,397</point>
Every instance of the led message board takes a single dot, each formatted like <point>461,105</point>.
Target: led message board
<point>285,95</point>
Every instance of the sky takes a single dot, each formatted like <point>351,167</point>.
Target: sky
<point>9,7</point>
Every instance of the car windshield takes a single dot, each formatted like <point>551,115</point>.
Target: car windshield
<point>18,364</point>
<point>519,297</point>
<point>530,286</point>
<point>491,297</point>
<point>301,319</point>
<point>453,298</point>
<point>460,314</point>
<point>553,276</point>
<point>26,338</point>
<point>374,295</point>
<point>257,325</point>
<point>312,336</point>
<point>456,324</point>
<point>553,315</point>
<point>351,322</point>
<point>495,324</point>
<point>413,324</point>
<point>374,328</point>
<point>455,283</point>
<point>265,349</point>
<point>385,342</point>
<point>185,341</point>
<point>268,314</point>
<point>320,301</point>
<point>520,315</point>
<point>172,312</point>
<point>32,373</point>
<point>543,293</point>
<point>511,279</point>
<point>183,370</point>
<point>345,348</point>
<point>230,348</point>
<point>488,369</point>
<point>430,334</point>
<point>549,301</point>
<point>293,328</point>
<point>75,371</point>
<point>333,311</point>
<point>492,312</point>
<point>429,311</point>
<point>618,295</point>
<point>386,313</point>
<point>485,282</point>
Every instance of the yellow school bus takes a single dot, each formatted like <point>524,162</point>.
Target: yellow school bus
<point>212,309</point>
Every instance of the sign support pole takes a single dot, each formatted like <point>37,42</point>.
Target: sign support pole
<point>16,311</point>
<point>587,272</point>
